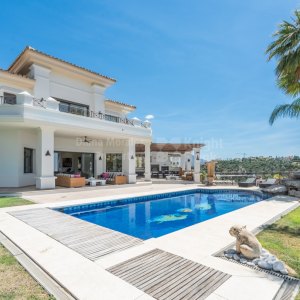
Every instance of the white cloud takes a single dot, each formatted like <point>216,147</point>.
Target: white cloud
<point>149,117</point>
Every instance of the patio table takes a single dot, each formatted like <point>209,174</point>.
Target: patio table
<point>93,182</point>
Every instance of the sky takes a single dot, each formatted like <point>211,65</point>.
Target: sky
<point>198,66</point>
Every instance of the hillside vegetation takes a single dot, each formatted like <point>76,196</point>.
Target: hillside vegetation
<point>258,165</point>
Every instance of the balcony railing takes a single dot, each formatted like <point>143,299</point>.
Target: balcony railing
<point>79,110</point>
<point>73,109</point>
<point>116,119</point>
<point>39,102</point>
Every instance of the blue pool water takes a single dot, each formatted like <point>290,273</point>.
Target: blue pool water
<point>154,216</point>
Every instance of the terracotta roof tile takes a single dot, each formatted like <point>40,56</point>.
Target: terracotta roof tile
<point>11,73</point>
<point>169,147</point>
<point>28,48</point>
<point>120,103</point>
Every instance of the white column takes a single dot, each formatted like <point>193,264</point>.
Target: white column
<point>98,98</point>
<point>42,81</point>
<point>182,162</point>
<point>196,164</point>
<point>45,159</point>
<point>147,162</point>
<point>99,163</point>
<point>188,158</point>
<point>130,162</point>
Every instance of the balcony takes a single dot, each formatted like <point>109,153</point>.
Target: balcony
<point>63,107</point>
<point>72,108</point>
<point>8,99</point>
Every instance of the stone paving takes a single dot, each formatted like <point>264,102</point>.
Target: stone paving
<point>198,243</point>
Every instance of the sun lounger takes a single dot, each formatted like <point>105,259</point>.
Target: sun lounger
<point>248,183</point>
<point>268,182</point>
<point>223,182</point>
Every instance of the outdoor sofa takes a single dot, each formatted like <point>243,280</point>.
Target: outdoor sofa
<point>70,181</point>
<point>114,178</point>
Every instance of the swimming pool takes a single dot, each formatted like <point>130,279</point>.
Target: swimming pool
<point>156,215</point>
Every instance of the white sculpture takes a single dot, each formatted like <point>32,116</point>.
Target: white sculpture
<point>246,242</point>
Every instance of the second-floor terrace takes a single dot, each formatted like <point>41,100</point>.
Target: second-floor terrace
<point>60,111</point>
<point>59,93</point>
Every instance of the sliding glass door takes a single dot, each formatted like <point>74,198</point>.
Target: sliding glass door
<point>74,162</point>
<point>114,162</point>
<point>87,165</point>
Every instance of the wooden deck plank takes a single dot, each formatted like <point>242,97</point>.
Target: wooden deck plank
<point>178,276</point>
<point>205,285</point>
<point>147,272</point>
<point>144,267</point>
<point>90,240</point>
<point>135,259</point>
<point>100,243</point>
<point>193,283</point>
<point>165,283</point>
<point>142,276</point>
<point>182,284</point>
<point>214,285</point>
<point>167,276</point>
<point>134,262</point>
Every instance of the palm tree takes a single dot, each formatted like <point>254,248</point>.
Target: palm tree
<point>286,110</point>
<point>286,49</point>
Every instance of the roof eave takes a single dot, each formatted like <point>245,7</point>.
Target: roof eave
<point>23,82</point>
<point>128,107</point>
<point>15,64</point>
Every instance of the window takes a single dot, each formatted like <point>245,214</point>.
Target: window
<point>140,161</point>
<point>112,118</point>
<point>114,162</point>
<point>28,160</point>
<point>9,98</point>
<point>73,108</point>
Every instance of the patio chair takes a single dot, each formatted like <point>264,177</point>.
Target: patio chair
<point>111,177</point>
<point>248,182</point>
<point>268,182</point>
<point>155,174</point>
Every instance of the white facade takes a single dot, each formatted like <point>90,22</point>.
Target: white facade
<point>173,158</point>
<point>173,161</point>
<point>38,121</point>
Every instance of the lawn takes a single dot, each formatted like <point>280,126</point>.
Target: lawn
<point>283,239</point>
<point>16,283</point>
<point>13,201</point>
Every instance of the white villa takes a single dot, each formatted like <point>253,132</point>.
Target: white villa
<point>55,119</point>
<point>171,158</point>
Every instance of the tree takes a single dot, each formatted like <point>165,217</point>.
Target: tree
<point>286,110</point>
<point>286,49</point>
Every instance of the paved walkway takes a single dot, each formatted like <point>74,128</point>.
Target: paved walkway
<point>98,192</point>
<point>90,280</point>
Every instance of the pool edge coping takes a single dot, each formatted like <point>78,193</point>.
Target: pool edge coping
<point>145,198</point>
